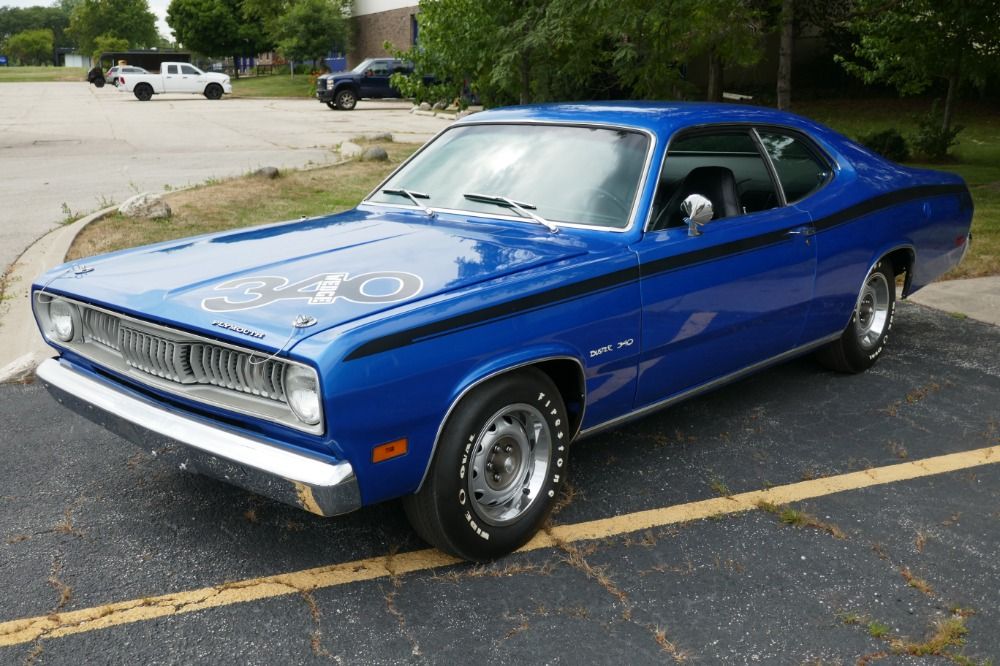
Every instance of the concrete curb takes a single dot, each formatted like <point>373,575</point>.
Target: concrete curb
<point>975,298</point>
<point>21,346</point>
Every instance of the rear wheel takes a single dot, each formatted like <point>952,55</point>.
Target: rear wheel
<point>346,100</point>
<point>143,92</point>
<point>865,337</point>
<point>213,91</point>
<point>99,83</point>
<point>499,463</point>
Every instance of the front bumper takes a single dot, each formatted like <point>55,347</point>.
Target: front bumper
<point>312,484</point>
<point>324,95</point>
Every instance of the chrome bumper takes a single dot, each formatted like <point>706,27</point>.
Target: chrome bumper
<point>320,487</point>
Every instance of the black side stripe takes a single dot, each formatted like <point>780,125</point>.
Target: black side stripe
<point>624,276</point>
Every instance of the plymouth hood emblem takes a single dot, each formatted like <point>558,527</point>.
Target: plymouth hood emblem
<point>235,328</point>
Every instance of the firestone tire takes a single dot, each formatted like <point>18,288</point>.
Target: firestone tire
<point>497,470</point>
<point>865,337</point>
<point>143,92</point>
<point>345,100</point>
<point>213,91</point>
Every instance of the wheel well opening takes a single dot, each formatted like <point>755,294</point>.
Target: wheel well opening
<point>567,375</point>
<point>902,264</point>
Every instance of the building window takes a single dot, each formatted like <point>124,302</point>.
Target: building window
<point>414,29</point>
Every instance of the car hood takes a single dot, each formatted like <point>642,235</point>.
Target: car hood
<point>249,286</point>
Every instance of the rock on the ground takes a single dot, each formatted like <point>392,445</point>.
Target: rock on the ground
<point>425,106</point>
<point>440,106</point>
<point>146,205</point>
<point>349,150</point>
<point>21,370</point>
<point>375,154</point>
<point>266,172</point>
<point>379,136</point>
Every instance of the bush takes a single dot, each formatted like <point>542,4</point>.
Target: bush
<point>889,143</point>
<point>932,141</point>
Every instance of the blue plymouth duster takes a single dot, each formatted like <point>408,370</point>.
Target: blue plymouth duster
<point>530,276</point>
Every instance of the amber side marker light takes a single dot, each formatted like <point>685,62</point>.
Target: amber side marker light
<point>390,450</point>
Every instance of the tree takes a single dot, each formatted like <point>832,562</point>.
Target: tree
<point>216,28</point>
<point>19,19</point>
<point>31,47</point>
<point>130,20</point>
<point>310,29</point>
<point>729,33</point>
<point>106,43</point>
<point>922,42</point>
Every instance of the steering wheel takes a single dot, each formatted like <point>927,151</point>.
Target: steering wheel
<point>614,199</point>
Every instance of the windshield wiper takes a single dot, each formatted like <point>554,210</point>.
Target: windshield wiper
<point>523,208</point>
<point>412,196</point>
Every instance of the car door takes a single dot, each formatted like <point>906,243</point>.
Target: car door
<point>192,79</point>
<point>734,295</point>
<point>172,79</point>
<point>375,80</point>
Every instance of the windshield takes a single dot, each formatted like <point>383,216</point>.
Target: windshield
<point>573,175</point>
<point>363,66</point>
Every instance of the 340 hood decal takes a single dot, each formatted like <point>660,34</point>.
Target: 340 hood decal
<point>323,289</point>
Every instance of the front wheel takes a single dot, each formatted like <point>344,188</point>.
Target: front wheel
<point>346,100</point>
<point>499,463</point>
<point>866,335</point>
<point>332,105</point>
<point>143,92</point>
<point>99,83</point>
<point>213,91</point>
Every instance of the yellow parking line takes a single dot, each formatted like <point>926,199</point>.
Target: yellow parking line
<point>55,625</point>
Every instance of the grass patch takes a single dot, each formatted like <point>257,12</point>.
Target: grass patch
<point>877,629</point>
<point>274,85</point>
<point>977,159</point>
<point>36,74</point>
<point>796,518</point>
<point>244,202</point>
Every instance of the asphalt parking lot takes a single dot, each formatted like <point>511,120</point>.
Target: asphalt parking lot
<point>109,556</point>
<point>70,148</point>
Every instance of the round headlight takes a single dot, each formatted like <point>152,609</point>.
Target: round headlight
<point>302,394</point>
<point>62,319</point>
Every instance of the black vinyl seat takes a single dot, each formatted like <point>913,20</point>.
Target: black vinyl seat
<point>715,183</point>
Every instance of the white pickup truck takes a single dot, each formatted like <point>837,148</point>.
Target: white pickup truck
<point>175,77</point>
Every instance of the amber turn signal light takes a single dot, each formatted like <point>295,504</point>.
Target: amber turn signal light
<point>390,450</point>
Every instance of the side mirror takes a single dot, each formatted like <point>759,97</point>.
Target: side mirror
<point>697,212</point>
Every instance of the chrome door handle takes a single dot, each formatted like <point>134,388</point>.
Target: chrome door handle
<point>801,231</point>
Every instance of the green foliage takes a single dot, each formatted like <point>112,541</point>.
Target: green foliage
<point>14,20</point>
<point>540,50</point>
<point>105,43</point>
<point>914,43</point>
<point>932,141</point>
<point>312,28</point>
<point>31,47</point>
<point>216,27</point>
<point>889,143</point>
<point>129,20</point>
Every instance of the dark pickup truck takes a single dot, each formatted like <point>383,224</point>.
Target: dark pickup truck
<point>369,80</point>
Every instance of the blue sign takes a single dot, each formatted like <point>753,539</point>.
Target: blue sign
<point>3,60</point>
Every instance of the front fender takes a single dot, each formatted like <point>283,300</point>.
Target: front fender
<point>501,365</point>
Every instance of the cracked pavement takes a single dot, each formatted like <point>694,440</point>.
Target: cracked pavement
<point>880,574</point>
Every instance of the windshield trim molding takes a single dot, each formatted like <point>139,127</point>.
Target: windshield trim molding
<point>640,190</point>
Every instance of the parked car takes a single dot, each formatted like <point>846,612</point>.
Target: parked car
<point>370,79</point>
<point>529,277</point>
<point>175,77</point>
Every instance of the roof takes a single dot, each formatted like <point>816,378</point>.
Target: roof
<point>658,117</point>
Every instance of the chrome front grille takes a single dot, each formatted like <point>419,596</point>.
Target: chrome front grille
<point>193,366</point>
<point>187,362</point>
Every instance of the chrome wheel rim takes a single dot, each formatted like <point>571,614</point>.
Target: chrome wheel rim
<point>871,314</point>
<point>509,463</point>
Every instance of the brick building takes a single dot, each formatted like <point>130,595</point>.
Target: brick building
<point>374,22</point>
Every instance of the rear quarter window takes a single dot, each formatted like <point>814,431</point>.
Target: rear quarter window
<point>800,170</point>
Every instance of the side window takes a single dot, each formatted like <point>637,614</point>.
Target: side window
<point>799,169</point>
<point>379,69</point>
<point>172,69</point>
<point>188,69</point>
<point>724,166</point>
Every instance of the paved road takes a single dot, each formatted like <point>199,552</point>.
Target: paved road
<point>86,520</point>
<point>74,145</point>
